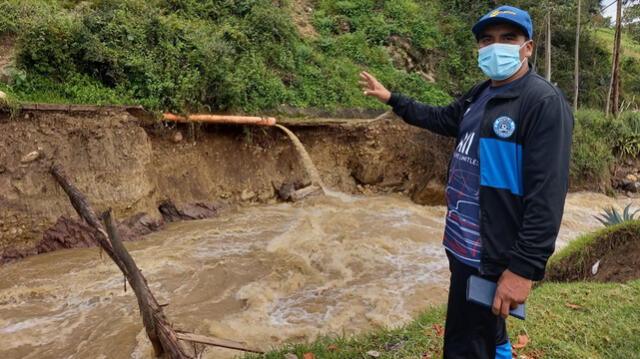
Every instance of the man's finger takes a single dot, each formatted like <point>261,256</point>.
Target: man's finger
<point>504,312</point>
<point>514,305</point>
<point>363,83</point>
<point>497,305</point>
<point>370,78</point>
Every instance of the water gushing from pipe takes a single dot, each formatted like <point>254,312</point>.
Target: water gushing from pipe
<point>311,169</point>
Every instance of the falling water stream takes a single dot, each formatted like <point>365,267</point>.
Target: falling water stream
<point>264,274</point>
<point>311,169</point>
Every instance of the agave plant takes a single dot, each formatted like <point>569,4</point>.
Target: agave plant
<point>612,216</point>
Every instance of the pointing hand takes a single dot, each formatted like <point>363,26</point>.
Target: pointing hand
<point>371,87</point>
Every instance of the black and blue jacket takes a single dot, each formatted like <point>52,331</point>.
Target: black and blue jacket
<point>524,171</point>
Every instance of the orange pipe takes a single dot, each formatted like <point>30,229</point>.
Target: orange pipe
<point>208,118</point>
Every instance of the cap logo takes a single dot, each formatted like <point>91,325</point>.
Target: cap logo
<point>498,12</point>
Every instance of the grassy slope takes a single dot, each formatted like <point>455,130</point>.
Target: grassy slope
<point>232,55</point>
<point>581,247</point>
<point>606,323</point>
<point>629,47</point>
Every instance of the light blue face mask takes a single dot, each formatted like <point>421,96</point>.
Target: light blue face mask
<point>500,61</point>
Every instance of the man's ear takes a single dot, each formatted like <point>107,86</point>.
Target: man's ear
<point>528,48</point>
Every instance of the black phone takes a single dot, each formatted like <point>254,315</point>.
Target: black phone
<point>482,291</point>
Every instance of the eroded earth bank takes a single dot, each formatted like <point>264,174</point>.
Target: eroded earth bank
<point>134,165</point>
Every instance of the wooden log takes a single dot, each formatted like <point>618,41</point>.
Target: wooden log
<point>305,192</point>
<point>163,337</point>
<point>136,281</point>
<point>160,332</point>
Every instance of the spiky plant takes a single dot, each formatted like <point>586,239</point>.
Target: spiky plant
<point>612,216</point>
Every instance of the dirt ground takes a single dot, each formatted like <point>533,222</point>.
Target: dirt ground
<point>131,165</point>
<point>618,253</point>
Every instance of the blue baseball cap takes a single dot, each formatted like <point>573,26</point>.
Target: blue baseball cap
<point>505,14</point>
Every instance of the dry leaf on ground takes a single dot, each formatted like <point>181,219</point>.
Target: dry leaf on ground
<point>439,330</point>
<point>572,306</point>
<point>523,340</point>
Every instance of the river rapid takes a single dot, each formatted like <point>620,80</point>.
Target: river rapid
<point>267,274</point>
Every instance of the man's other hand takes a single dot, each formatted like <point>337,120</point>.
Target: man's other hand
<point>371,87</point>
<point>512,291</point>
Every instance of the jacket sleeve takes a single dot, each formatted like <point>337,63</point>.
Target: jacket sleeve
<point>442,120</point>
<point>545,172</point>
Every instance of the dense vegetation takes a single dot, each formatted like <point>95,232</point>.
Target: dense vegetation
<point>248,54</point>
<point>599,142</point>
<point>181,54</point>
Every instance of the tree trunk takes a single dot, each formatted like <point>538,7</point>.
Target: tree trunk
<point>576,83</point>
<point>160,332</point>
<point>547,51</point>
<point>607,107</point>
<point>615,100</point>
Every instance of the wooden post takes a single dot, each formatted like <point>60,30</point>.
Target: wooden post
<point>160,332</point>
<point>547,52</point>
<point>576,83</point>
<point>615,78</point>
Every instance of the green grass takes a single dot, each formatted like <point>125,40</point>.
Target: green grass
<point>192,55</point>
<point>582,245</point>
<point>629,46</point>
<point>607,325</point>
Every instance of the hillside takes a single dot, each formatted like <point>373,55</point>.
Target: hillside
<point>256,55</point>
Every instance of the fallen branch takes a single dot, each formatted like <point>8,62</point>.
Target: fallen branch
<point>217,342</point>
<point>160,332</point>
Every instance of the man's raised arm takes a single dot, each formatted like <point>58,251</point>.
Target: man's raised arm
<point>443,120</point>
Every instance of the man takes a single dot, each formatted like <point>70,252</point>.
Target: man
<point>507,183</point>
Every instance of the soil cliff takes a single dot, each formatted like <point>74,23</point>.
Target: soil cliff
<point>133,165</point>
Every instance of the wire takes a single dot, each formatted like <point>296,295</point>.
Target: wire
<point>608,6</point>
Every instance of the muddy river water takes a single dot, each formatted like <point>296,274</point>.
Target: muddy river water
<point>262,274</point>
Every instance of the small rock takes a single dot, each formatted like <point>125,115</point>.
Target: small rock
<point>26,116</point>
<point>634,187</point>
<point>286,191</point>
<point>3,96</point>
<point>625,184</point>
<point>177,137</point>
<point>632,178</point>
<point>373,353</point>
<point>247,195</point>
<point>30,157</point>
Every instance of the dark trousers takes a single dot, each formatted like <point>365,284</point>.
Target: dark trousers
<point>471,330</point>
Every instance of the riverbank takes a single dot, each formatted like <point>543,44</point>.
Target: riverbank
<point>133,164</point>
<point>124,159</point>
<point>564,321</point>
